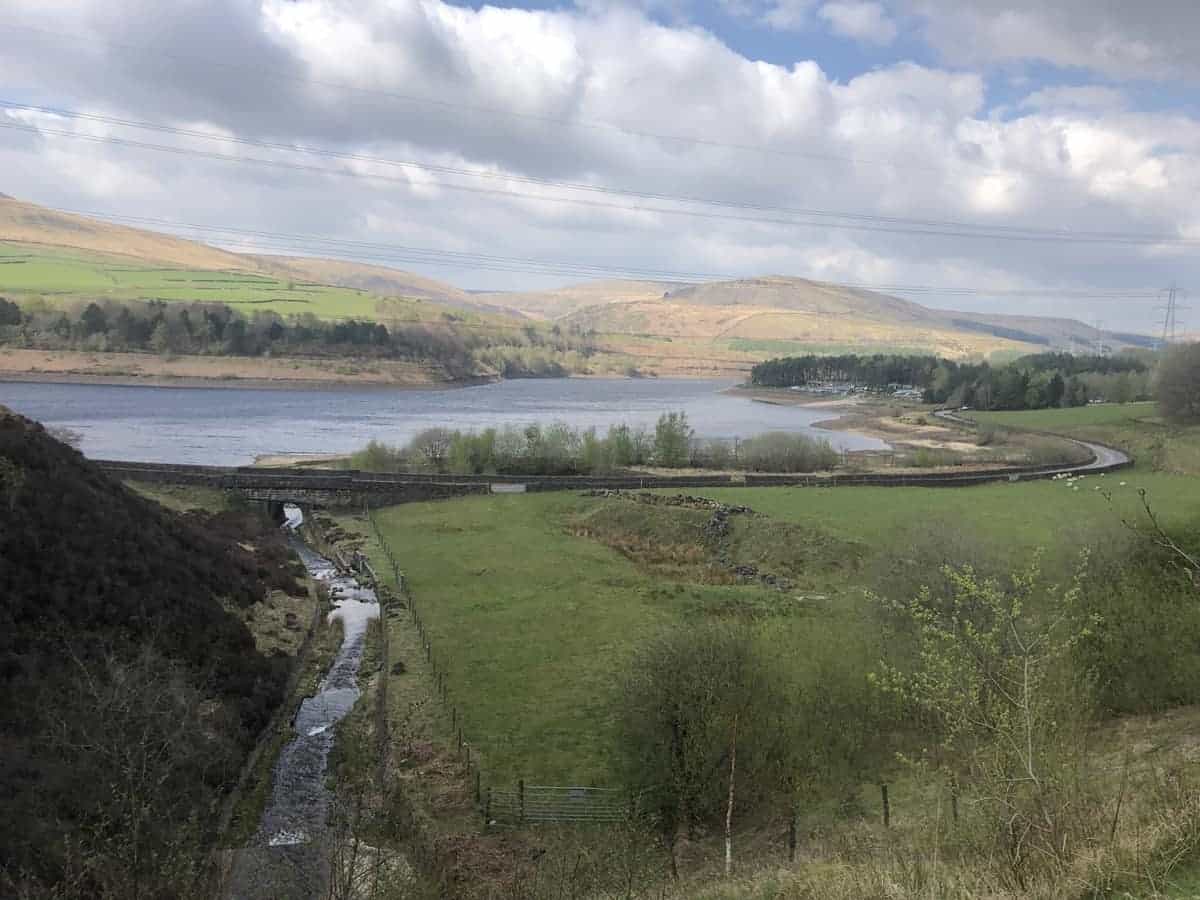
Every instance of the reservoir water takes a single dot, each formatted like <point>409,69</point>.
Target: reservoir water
<point>231,426</point>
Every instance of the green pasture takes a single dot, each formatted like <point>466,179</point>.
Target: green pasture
<point>64,276</point>
<point>533,615</point>
<point>531,624</point>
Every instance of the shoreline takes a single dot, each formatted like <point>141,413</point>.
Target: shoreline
<point>295,384</point>
<point>129,368</point>
<point>194,382</point>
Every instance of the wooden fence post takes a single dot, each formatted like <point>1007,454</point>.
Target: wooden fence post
<point>476,774</point>
<point>792,837</point>
<point>487,808</point>
<point>521,801</point>
<point>887,809</point>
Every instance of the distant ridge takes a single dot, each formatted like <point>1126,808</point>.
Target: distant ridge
<point>760,316</point>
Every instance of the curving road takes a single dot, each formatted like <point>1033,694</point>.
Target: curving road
<point>1104,457</point>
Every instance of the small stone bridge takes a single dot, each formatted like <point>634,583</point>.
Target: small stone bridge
<point>349,488</point>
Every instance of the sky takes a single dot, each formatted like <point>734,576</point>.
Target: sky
<point>1036,157</point>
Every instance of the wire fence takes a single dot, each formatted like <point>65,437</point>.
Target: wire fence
<point>523,804</point>
<point>460,744</point>
<point>555,805</point>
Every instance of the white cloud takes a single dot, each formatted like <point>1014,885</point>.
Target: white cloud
<point>1155,39</point>
<point>1077,97</point>
<point>788,15</point>
<point>782,15</point>
<point>536,94</point>
<point>860,20</point>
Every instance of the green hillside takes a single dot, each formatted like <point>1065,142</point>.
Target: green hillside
<point>62,275</point>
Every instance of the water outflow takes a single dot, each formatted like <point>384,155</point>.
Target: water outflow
<point>288,858</point>
<point>299,801</point>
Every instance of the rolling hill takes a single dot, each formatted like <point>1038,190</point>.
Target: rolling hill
<point>27,223</point>
<point>560,302</point>
<point>76,243</point>
<point>710,328</point>
<point>787,310</point>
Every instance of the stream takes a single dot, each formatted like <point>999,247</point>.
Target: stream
<point>288,854</point>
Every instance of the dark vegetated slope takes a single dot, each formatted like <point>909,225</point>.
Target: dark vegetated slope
<point>128,693</point>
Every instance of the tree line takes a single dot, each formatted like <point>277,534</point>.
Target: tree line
<point>218,329</point>
<point>1037,381</point>
<point>558,449</point>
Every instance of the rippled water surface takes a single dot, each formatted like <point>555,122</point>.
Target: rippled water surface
<point>299,801</point>
<point>231,426</point>
<point>291,835</point>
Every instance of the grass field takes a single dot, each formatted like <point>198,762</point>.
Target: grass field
<point>532,623</point>
<point>64,276</point>
<point>535,602</point>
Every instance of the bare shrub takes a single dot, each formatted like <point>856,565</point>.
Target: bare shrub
<point>779,451</point>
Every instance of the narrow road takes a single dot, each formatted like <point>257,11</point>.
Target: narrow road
<point>1104,457</point>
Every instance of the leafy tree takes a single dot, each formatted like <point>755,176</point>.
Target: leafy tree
<point>93,320</point>
<point>1144,622</point>
<point>160,340</point>
<point>1179,384</point>
<point>1077,392</point>
<point>621,447</point>
<point>672,440</point>
<point>1055,390</point>
<point>990,674</point>
<point>10,313</point>
<point>702,729</point>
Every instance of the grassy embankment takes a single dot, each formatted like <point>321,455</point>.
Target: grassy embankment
<point>534,623</point>
<point>183,498</point>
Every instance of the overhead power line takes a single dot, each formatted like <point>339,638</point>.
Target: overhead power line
<point>260,240</point>
<point>855,221</point>
<point>260,71</point>
<point>493,175</point>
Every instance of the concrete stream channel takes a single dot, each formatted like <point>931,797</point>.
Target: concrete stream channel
<point>289,853</point>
